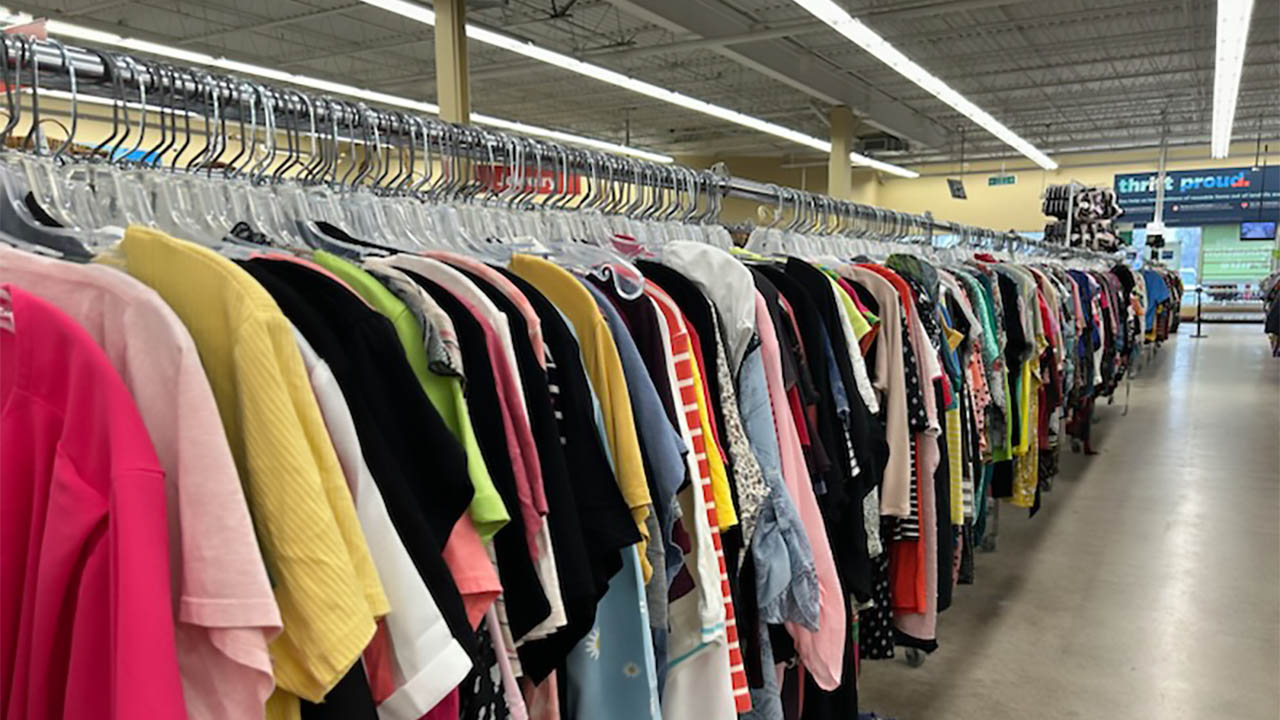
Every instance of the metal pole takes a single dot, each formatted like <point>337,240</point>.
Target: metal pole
<point>1199,314</point>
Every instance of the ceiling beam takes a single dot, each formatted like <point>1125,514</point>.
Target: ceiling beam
<point>1173,94</point>
<point>1123,117</point>
<point>792,66</point>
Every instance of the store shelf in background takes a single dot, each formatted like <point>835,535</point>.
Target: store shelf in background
<point>1228,302</point>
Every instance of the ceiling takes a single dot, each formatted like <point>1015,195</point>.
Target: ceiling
<point>1067,75</point>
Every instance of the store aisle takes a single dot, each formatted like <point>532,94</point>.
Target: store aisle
<point>1149,587</point>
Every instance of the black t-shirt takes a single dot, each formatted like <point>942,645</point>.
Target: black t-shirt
<point>577,585</point>
<point>869,444</point>
<point>792,349</point>
<point>526,601</point>
<point>350,699</point>
<point>418,465</point>
<point>403,441</point>
<point>607,526</point>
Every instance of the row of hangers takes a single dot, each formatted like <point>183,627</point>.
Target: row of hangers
<point>407,183</point>
<point>823,227</point>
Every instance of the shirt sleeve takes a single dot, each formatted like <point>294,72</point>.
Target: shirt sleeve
<point>325,584</point>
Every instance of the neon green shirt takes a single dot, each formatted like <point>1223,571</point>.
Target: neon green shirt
<point>487,511</point>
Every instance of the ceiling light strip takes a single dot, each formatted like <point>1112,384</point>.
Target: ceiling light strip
<point>864,37</point>
<point>99,37</point>
<point>427,16</point>
<point>1233,38</point>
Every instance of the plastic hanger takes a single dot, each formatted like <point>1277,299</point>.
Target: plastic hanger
<point>17,220</point>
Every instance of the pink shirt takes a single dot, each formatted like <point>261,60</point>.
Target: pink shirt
<point>512,421</point>
<point>542,701</point>
<point>823,651</point>
<point>510,684</point>
<point>86,625</point>
<point>221,598</point>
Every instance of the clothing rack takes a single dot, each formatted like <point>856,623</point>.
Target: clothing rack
<point>49,64</point>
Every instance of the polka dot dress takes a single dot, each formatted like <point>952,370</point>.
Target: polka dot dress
<point>876,623</point>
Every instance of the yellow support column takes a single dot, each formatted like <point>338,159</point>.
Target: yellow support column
<point>453,81</point>
<point>839,174</point>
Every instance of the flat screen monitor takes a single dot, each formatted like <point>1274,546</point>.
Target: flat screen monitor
<point>1257,231</point>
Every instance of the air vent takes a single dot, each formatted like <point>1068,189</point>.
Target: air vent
<point>882,144</point>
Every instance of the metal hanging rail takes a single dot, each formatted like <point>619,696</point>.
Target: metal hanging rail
<point>53,65</point>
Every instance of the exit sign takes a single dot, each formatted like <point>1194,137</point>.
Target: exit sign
<point>993,180</point>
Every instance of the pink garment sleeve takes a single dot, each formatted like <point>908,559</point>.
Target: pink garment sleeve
<point>472,570</point>
<point>510,686</point>
<point>379,664</point>
<point>543,701</point>
<point>515,446</point>
<point>823,651</point>
<point>506,377</point>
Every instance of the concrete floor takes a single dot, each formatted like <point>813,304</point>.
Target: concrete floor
<point>1149,585</point>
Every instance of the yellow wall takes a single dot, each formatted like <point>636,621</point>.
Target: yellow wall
<point>1006,207</point>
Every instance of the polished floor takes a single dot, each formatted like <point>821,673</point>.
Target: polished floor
<point>1149,585</point>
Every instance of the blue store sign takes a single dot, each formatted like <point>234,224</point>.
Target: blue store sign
<point>1197,197</point>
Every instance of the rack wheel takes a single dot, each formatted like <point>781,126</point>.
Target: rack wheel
<point>915,657</point>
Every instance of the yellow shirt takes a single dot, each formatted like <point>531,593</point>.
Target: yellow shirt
<point>324,580</point>
<point>1026,466</point>
<point>955,462</point>
<point>726,517</point>
<point>603,366</point>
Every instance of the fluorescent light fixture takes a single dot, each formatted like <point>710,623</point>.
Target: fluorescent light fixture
<point>1233,37</point>
<point>99,37</point>
<point>427,16</point>
<point>864,37</point>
